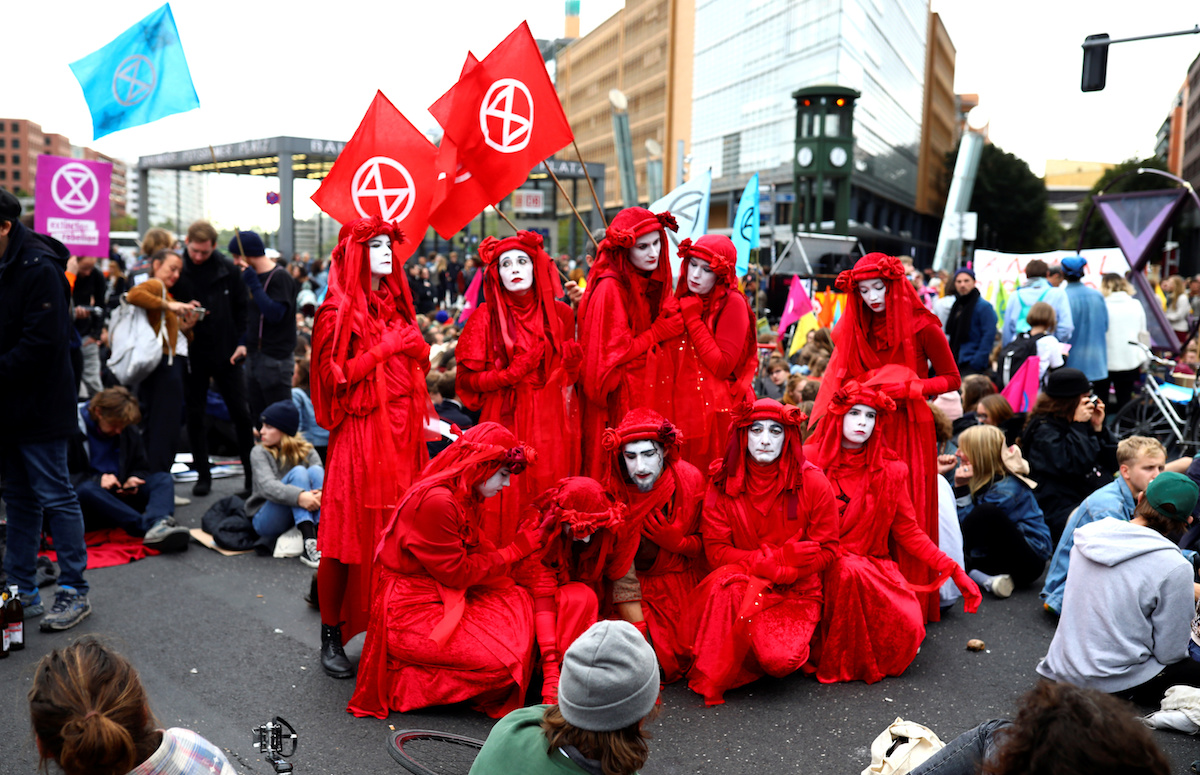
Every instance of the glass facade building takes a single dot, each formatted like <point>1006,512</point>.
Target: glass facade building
<point>750,55</point>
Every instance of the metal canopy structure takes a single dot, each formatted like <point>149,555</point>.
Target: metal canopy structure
<point>810,254</point>
<point>284,157</point>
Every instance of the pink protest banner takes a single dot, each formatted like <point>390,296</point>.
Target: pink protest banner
<point>71,203</point>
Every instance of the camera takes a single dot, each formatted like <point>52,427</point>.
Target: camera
<point>275,744</point>
<point>199,312</point>
<point>96,312</point>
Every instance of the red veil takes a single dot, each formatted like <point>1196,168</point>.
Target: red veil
<point>718,360</point>
<point>540,406</point>
<point>622,366</point>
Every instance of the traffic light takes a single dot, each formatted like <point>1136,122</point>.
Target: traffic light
<point>1095,62</point>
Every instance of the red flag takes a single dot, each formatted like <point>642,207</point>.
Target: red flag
<point>505,116</point>
<point>471,297</point>
<point>459,196</point>
<point>388,169</point>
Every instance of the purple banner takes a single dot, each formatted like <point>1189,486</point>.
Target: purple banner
<point>72,204</point>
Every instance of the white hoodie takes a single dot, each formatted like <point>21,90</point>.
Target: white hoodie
<point>1127,608</point>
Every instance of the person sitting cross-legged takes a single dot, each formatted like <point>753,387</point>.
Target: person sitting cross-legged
<point>110,473</point>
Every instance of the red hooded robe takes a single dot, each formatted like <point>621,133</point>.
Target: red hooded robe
<point>517,365</point>
<point>372,399</point>
<point>720,356</point>
<point>864,587</point>
<point>908,336</point>
<point>769,530</point>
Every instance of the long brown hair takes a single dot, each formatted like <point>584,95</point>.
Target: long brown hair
<point>89,711</point>
<point>620,752</point>
<point>1062,408</point>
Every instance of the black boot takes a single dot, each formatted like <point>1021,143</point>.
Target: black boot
<point>333,657</point>
<point>311,598</point>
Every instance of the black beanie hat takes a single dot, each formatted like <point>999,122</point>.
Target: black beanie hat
<point>284,416</point>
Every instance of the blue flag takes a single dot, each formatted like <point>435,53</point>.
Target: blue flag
<point>689,205</point>
<point>745,227</point>
<point>140,77</point>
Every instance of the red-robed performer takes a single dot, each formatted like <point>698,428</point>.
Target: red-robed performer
<point>448,623</point>
<point>885,323</point>
<point>873,622</point>
<point>368,389</point>
<point>719,359</point>
<point>517,365</point>
<point>664,495</point>
<point>770,528</point>
<point>626,316</point>
<point>583,572</point>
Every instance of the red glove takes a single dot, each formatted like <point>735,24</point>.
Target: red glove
<point>691,307</point>
<point>666,534</point>
<point>970,590</point>
<point>391,343</point>
<point>526,543</point>
<point>572,355</point>
<point>527,361</point>
<point>545,624</point>
<point>414,345</point>
<point>800,553</point>
<point>666,327</point>
<point>669,308</point>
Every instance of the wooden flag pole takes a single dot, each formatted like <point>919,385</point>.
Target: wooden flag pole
<point>596,199</point>
<point>515,230</point>
<point>578,217</point>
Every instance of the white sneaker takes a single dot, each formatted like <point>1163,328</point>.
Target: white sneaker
<point>311,556</point>
<point>1002,585</point>
<point>182,501</point>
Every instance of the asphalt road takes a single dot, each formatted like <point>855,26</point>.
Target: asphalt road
<point>225,643</point>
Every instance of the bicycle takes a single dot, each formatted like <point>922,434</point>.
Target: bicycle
<point>1152,412</point>
<point>427,752</point>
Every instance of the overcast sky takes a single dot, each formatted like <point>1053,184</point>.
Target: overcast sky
<point>308,70</point>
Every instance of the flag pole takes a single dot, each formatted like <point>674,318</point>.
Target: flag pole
<point>505,217</point>
<point>578,217</point>
<point>592,186</point>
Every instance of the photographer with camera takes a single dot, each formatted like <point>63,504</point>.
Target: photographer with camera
<point>91,320</point>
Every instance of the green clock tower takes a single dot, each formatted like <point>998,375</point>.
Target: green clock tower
<point>824,152</point>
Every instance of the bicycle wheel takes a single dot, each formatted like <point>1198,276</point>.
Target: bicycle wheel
<point>426,752</point>
<point>1142,417</point>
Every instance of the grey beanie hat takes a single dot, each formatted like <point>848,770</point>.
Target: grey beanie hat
<point>609,678</point>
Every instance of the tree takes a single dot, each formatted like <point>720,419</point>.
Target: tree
<point>1119,179</point>
<point>1011,202</point>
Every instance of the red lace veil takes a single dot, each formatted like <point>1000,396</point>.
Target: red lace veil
<point>861,333</point>
<point>826,446</point>
<point>642,294</point>
<point>503,307</point>
<point>585,508</point>
<point>730,474</point>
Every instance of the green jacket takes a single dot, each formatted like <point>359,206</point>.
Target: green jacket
<point>517,744</point>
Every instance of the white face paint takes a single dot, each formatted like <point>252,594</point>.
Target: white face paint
<point>700,277</point>
<point>857,426</point>
<point>874,293</point>
<point>644,253</point>
<point>643,463</point>
<point>516,271</point>
<point>765,442</point>
<point>494,483</point>
<point>380,247</point>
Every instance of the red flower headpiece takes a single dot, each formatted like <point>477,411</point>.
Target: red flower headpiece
<point>492,248</point>
<point>642,425</point>
<point>868,267</point>
<point>517,458</point>
<point>746,413</point>
<point>620,238</point>
<point>717,250</point>
<point>583,506</point>
<point>853,393</point>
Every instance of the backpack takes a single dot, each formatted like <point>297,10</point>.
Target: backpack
<point>1014,355</point>
<point>136,348</point>
<point>1021,325</point>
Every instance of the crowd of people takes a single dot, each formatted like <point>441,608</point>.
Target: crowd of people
<point>592,468</point>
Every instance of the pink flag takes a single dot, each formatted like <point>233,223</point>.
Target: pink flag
<point>471,297</point>
<point>798,305</point>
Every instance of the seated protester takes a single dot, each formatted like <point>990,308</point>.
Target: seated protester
<point>770,528</point>
<point>664,495</point>
<point>607,694</point>
<point>1069,450</point>
<point>942,429</point>
<point>448,623</point>
<point>1005,539</point>
<point>1054,733</point>
<point>773,381</point>
<point>91,717</point>
<point>449,409</point>
<point>864,585</point>
<point>995,410</point>
<point>1133,573</point>
<point>288,477</point>
<point>302,398</point>
<point>1141,459</point>
<point>111,475</point>
<point>974,388</point>
<point>583,572</point>
<point>950,539</point>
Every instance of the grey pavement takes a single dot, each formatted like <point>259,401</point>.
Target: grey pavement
<point>225,643</point>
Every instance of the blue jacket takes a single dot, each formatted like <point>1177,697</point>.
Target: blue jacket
<point>1114,499</point>
<point>1089,345</point>
<point>977,350</point>
<point>1038,289</point>
<point>315,434</point>
<point>1015,499</point>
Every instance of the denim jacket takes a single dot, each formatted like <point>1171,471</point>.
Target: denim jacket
<point>1114,499</point>
<point>1016,500</point>
<point>1089,340</point>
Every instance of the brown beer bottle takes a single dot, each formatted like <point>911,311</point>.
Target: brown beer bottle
<point>4,646</point>
<point>14,620</point>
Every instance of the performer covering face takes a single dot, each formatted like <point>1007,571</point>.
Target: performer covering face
<point>770,529</point>
<point>864,586</point>
<point>368,389</point>
<point>448,624</point>
<point>626,317</point>
<point>517,365</point>
<point>885,324</point>
<point>718,356</point>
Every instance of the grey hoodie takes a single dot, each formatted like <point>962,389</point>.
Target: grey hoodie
<point>1127,609</point>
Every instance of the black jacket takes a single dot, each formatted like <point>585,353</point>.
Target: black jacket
<point>132,454</point>
<point>37,384</point>
<point>218,286</point>
<point>1068,460</point>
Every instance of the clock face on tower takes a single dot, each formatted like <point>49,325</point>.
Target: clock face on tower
<point>837,156</point>
<point>805,157</point>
